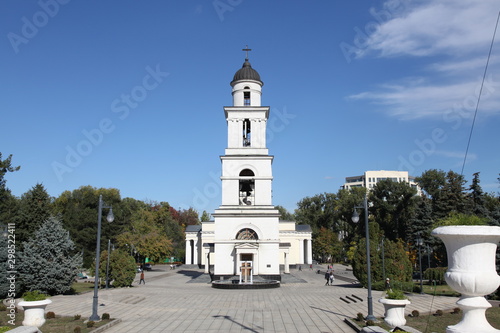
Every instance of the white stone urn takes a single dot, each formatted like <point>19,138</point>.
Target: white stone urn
<point>394,311</point>
<point>471,271</point>
<point>34,312</point>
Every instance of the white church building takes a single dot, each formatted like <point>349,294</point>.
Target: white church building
<point>246,233</point>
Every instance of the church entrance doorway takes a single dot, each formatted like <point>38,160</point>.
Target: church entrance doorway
<point>246,268</point>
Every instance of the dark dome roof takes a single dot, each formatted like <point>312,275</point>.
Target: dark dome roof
<point>246,73</point>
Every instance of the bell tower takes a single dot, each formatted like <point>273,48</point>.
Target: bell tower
<point>246,165</point>
<point>246,177</point>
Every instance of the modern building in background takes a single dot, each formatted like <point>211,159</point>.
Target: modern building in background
<point>370,178</point>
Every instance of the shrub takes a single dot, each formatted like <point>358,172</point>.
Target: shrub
<point>397,263</point>
<point>435,274</point>
<point>456,311</point>
<point>77,317</point>
<point>50,315</point>
<point>3,307</point>
<point>360,317</point>
<point>370,323</point>
<point>460,219</point>
<point>415,313</point>
<point>4,329</point>
<point>35,295</point>
<point>105,316</point>
<point>90,323</point>
<point>439,313</point>
<point>77,329</point>
<point>395,294</point>
<point>122,268</point>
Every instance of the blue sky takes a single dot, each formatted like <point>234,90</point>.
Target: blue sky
<point>130,94</point>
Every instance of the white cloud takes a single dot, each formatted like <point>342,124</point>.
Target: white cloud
<point>459,35</point>
<point>457,157</point>
<point>443,27</point>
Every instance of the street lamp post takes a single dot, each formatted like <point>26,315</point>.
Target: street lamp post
<point>110,218</point>
<point>107,264</point>
<point>429,252</point>
<point>419,243</point>
<point>383,259</point>
<point>355,219</point>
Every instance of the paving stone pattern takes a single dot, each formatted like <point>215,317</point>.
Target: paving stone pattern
<point>182,300</point>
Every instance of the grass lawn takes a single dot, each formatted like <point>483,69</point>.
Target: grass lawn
<point>82,287</point>
<point>438,324</point>
<point>428,324</point>
<point>439,290</point>
<point>56,325</point>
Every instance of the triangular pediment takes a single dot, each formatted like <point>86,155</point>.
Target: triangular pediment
<point>246,246</point>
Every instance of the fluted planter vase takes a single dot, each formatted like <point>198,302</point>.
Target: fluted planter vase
<point>471,271</point>
<point>34,312</point>
<point>394,311</point>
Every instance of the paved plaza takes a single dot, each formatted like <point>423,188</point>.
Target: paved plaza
<point>182,300</point>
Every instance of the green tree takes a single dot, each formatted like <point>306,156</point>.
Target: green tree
<point>8,214</point>
<point>396,261</point>
<point>174,229</point>
<point>187,217</point>
<point>34,210</point>
<point>452,197</point>
<point>4,283</point>
<point>205,217</point>
<point>492,204</point>
<point>316,211</point>
<point>346,200</point>
<point>122,268</point>
<point>6,166</point>
<point>147,236</point>
<point>79,212</point>
<point>432,182</point>
<point>48,262</point>
<point>8,203</point>
<point>393,207</point>
<point>285,214</point>
<point>477,198</point>
<point>327,245</point>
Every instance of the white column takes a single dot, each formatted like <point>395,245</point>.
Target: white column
<point>309,252</point>
<point>287,266</point>
<point>207,259</point>
<point>301,252</point>
<point>195,252</point>
<point>188,252</point>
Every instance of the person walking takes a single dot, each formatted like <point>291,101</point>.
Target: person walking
<point>142,278</point>
<point>332,278</point>
<point>327,278</point>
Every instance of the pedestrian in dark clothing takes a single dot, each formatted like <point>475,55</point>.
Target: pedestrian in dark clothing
<point>327,278</point>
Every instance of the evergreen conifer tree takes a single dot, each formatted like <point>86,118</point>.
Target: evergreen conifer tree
<point>477,198</point>
<point>4,284</point>
<point>34,210</point>
<point>48,262</point>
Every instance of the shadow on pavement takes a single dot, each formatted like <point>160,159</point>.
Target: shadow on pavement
<point>191,274</point>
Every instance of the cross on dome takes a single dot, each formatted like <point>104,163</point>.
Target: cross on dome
<point>246,50</point>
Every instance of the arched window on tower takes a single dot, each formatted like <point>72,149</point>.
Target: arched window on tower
<point>246,133</point>
<point>246,96</point>
<point>247,188</point>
